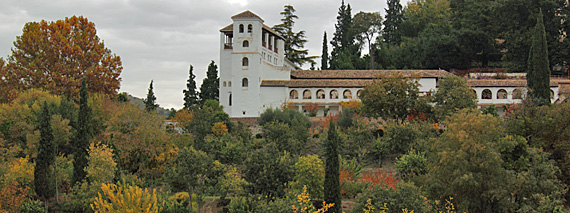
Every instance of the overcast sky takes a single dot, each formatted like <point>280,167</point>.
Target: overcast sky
<point>158,39</point>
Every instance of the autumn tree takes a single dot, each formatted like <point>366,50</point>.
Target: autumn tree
<point>392,23</point>
<point>46,156</point>
<point>332,172</point>
<point>210,89</point>
<point>150,100</point>
<point>55,55</point>
<point>392,97</point>
<point>538,72</point>
<point>101,168</point>
<point>366,26</point>
<point>453,94</point>
<point>294,41</point>
<point>309,172</point>
<point>190,93</point>
<point>82,136</point>
<point>325,53</point>
<point>126,198</point>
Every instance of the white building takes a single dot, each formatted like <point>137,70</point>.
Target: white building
<point>252,57</point>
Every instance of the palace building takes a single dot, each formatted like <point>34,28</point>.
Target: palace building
<point>255,76</point>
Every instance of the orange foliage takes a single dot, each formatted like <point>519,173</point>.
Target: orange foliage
<point>311,107</point>
<point>71,50</point>
<point>182,118</point>
<point>219,129</point>
<point>379,177</point>
<point>327,121</point>
<point>11,196</point>
<point>345,176</point>
<point>353,104</point>
<point>287,105</point>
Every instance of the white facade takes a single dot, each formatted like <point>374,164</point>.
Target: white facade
<point>255,76</point>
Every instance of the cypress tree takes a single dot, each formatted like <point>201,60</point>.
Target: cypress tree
<point>342,38</point>
<point>538,74</point>
<point>150,100</point>
<point>332,171</point>
<point>325,55</point>
<point>46,155</point>
<point>82,136</point>
<point>190,94</point>
<point>394,18</point>
<point>210,88</point>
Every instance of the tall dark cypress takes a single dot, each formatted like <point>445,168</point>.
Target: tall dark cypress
<point>393,20</point>
<point>332,171</point>
<point>46,156</point>
<point>150,100</point>
<point>81,143</point>
<point>343,37</point>
<point>325,55</point>
<point>210,88</point>
<point>190,94</point>
<point>538,76</point>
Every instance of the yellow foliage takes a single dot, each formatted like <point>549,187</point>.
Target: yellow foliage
<point>219,129</point>
<point>353,104</point>
<point>369,207</point>
<point>183,117</point>
<point>20,171</point>
<point>102,167</point>
<point>305,205</point>
<point>125,198</point>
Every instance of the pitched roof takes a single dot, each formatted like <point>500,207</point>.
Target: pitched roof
<point>316,83</point>
<point>247,14</point>
<point>364,74</point>
<point>501,83</point>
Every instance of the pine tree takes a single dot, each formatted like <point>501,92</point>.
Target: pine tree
<point>82,136</point>
<point>294,41</point>
<point>538,76</point>
<point>150,100</point>
<point>332,172</point>
<point>46,155</point>
<point>325,55</point>
<point>210,89</point>
<point>343,39</point>
<point>190,94</point>
<point>394,18</point>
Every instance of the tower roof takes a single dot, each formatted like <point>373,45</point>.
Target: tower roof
<point>247,14</point>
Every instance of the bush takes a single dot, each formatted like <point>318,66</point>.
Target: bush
<point>407,196</point>
<point>412,164</point>
<point>32,206</point>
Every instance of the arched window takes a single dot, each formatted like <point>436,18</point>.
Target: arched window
<point>334,94</point>
<point>502,94</point>
<point>244,82</point>
<point>241,28</point>
<point>249,28</point>
<point>293,94</point>
<point>245,43</point>
<point>245,62</point>
<point>224,84</point>
<point>358,93</point>
<point>307,94</point>
<point>517,94</point>
<point>487,94</point>
<point>551,94</point>
<point>320,94</point>
<point>230,99</point>
<point>347,94</point>
<point>229,83</point>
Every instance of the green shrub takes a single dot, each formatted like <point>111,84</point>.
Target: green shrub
<point>406,196</point>
<point>32,206</point>
<point>412,164</point>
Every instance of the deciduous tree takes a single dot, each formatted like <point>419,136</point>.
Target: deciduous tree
<point>55,55</point>
<point>453,94</point>
<point>366,26</point>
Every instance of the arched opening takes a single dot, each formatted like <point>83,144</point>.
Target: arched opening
<point>347,94</point>
<point>334,94</point>
<point>245,62</point>
<point>293,94</point>
<point>249,28</point>
<point>241,28</point>
<point>486,94</point>
<point>517,94</point>
<point>229,84</point>
<point>502,94</point>
<point>474,93</point>
<point>244,82</point>
<point>551,94</point>
<point>307,94</point>
<point>245,43</point>
<point>320,94</point>
<point>224,84</point>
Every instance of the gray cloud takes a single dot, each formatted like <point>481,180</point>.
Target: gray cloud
<point>158,39</point>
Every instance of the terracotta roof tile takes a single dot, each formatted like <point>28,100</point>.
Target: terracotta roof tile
<point>229,28</point>
<point>364,74</point>
<point>247,14</point>
<point>315,83</point>
<point>501,83</point>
